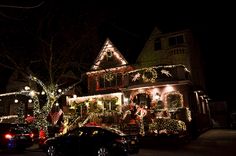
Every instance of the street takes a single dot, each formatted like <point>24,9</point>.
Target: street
<point>215,142</point>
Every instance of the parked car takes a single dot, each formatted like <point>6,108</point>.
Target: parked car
<point>15,136</point>
<point>92,140</point>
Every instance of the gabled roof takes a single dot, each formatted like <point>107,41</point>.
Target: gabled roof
<point>109,57</point>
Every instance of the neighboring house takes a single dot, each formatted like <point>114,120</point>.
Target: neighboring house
<point>160,86</point>
<point>179,47</point>
<point>14,103</point>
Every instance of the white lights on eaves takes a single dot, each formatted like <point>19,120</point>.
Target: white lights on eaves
<point>108,47</point>
<point>107,70</point>
<point>116,54</point>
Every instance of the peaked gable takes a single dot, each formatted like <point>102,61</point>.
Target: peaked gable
<point>149,56</point>
<point>109,57</point>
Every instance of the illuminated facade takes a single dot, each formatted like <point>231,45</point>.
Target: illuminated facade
<point>160,89</point>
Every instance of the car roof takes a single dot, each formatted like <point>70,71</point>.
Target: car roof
<point>113,130</point>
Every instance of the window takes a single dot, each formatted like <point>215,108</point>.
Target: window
<point>142,99</point>
<point>174,100</point>
<point>110,80</point>
<point>157,44</point>
<point>176,40</point>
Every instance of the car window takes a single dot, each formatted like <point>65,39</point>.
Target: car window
<point>96,133</point>
<point>78,132</point>
<point>113,130</point>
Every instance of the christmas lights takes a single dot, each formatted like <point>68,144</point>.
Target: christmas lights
<point>40,114</point>
<point>108,51</point>
<point>7,117</point>
<point>159,67</point>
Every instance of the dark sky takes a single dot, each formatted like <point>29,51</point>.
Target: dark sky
<point>131,23</point>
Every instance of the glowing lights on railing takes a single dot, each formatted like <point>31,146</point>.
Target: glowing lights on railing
<point>32,93</point>
<point>27,88</point>
<point>16,100</point>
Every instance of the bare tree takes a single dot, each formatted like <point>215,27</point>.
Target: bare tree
<point>14,10</point>
<point>56,52</point>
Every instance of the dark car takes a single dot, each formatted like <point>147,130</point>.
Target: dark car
<point>92,140</point>
<point>15,136</point>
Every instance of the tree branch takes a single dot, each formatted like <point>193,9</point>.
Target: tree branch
<point>22,7</point>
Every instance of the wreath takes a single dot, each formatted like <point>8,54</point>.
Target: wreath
<point>149,75</point>
<point>109,54</point>
<point>109,77</point>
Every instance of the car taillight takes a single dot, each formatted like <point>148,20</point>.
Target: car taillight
<point>31,135</point>
<point>8,136</point>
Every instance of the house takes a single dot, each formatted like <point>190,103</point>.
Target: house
<point>157,94</point>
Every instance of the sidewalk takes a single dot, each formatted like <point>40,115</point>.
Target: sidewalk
<point>162,141</point>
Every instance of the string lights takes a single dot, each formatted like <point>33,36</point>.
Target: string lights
<point>52,94</point>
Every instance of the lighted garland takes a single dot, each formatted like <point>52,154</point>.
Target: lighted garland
<point>152,77</point>
<point>7,117</point>
<point>141,112</point>
<point>20,112</point>
<point>173,104</point>
<point>189,116</point>
<point>112,99</point>
<point>160,67</point>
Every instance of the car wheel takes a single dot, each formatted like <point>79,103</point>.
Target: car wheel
<point>51,151</point>
<point>102,151</point>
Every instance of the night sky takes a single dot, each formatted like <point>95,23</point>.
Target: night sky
<point>128,25</point>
